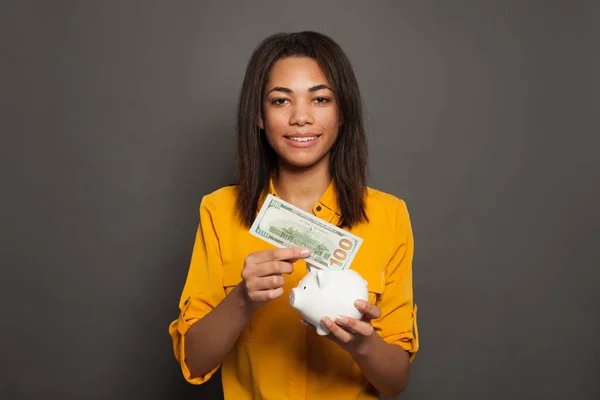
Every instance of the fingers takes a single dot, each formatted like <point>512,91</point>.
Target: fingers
<point>359,327</point>
<point>262,272</point>
<point>270,262</point>
<point>336,331</point>
<point>288,254</point>
<point>265,283</point>
<point>266,269</point>
<point>265,295</point>
<point>370,311</point>
<point>263,288</point>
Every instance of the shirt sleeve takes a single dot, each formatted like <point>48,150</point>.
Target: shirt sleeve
<point>398,321</point>
<point>203,289</point>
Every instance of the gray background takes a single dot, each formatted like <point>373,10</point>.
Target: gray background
<point>118,116</point>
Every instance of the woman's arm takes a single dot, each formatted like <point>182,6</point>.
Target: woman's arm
<point>385,365</point>
<point>210,338</point>
<point>385,339</point>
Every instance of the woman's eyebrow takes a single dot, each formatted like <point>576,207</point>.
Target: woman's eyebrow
<point>288,90</point>
<point>281,89</point>
<point>319,87</point>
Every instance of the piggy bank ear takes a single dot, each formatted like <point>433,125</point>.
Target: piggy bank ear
<point>322,278</point>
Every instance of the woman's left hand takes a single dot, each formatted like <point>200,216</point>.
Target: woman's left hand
<point>351,334</point>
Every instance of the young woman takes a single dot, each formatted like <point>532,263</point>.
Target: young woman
<point>300,137</point>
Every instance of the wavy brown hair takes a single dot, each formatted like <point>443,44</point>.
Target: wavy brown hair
<point>256,160</point>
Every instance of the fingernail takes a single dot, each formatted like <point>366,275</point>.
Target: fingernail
<point>341,319</point>
<point>360,303</point>
<point>305,252</point>
<point>326,322</point>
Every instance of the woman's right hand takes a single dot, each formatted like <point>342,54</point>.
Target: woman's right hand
<point>262,275</point>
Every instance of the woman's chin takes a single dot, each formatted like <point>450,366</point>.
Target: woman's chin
<point>300,163</point>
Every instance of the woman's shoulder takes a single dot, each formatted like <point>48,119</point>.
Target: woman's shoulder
<point>385,208</point>
<point>379,199</point>
<point>220,199</point>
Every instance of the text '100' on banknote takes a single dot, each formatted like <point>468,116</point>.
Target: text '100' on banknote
<point>285,225</point>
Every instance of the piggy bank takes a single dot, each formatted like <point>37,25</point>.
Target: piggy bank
<point>328,293</point>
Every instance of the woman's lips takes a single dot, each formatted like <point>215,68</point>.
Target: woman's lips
<point>302,141</point>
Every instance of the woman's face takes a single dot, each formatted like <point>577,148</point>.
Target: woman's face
<point>300,116</point>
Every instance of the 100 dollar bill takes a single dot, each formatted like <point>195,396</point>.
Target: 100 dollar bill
<point>285,225</point>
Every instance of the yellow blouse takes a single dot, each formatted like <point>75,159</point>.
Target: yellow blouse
<point>276,357</point>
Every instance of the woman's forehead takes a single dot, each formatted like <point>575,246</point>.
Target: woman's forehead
<point>297,73</point>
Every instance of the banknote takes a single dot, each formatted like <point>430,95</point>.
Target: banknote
<point>285,225</point>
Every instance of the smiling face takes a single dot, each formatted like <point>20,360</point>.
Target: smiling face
<point>300,113</point>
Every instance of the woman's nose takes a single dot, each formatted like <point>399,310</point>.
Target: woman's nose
<point>301,115</point>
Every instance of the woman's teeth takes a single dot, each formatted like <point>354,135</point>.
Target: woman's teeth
<point>303,139</point>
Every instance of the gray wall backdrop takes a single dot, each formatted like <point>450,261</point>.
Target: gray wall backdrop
<point>118,116</point>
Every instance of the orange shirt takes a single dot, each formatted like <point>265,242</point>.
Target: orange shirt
<point>276,357</point>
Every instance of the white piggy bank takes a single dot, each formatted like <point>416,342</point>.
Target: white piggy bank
<point>328,293</point>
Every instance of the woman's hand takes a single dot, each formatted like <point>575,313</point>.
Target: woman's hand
<point>351,334</point>
<point>262,275</point>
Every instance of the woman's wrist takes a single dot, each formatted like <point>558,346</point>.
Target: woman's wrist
<point>367,346</point>
<point>247,307</point>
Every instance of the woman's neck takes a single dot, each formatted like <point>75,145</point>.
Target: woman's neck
<point>302,187</point>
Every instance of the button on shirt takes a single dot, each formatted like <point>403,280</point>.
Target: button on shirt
<point>276,357</point>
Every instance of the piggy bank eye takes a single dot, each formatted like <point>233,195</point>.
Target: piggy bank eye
<point>304,287</point>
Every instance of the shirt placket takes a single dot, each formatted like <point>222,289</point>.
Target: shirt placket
<point>298,375</point>
<point>298,382</point>
<point>324,213</point>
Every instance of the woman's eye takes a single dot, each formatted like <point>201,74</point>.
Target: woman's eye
<point>279,102</point>
<point>322,100</point>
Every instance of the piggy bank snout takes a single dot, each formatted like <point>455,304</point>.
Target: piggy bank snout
<point>294,298</point>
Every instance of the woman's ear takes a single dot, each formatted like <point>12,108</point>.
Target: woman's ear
<point>261,123</point>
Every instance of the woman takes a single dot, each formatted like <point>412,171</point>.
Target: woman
<point>301,138</point>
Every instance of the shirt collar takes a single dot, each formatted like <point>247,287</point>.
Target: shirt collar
<point>327,200</point>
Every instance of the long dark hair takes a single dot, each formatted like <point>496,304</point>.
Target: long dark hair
<point>256,160</point>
